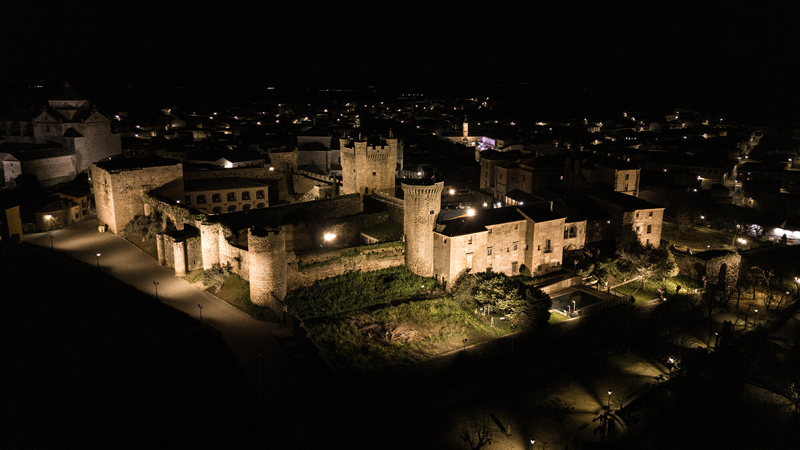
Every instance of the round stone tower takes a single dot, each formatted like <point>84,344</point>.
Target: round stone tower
<point>422,205</point>
<point>267,249</point>
<point>209,236</point>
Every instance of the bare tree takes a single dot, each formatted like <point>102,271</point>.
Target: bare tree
<point>477,433</point>
<point>684,221</point>
<point>766,277</point>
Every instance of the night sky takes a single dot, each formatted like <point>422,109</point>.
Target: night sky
<point>711,55</point>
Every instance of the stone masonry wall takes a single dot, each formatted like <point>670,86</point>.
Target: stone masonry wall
<point>118,194</point>
<point>422,207</point>
<point>304,270</point>
<point>268,279</point>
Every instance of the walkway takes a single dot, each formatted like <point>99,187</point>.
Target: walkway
<point>246,337</point>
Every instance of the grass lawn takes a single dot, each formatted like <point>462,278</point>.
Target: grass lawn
<point>357,290</point>
<point>556,318</point>
<point>650,290</point>
<point>697,239</point>
<point>236,291</point>
<point>361,343</point>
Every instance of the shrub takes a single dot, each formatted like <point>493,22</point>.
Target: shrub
<point>145,227</point>
<point>216,275</point>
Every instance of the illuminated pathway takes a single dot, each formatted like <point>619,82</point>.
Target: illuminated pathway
<point>246,337</point>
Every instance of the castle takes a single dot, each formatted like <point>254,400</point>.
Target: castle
<point>279,248</point>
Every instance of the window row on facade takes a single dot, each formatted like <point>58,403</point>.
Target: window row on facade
<point>231,208</point>
<point>202,199</point>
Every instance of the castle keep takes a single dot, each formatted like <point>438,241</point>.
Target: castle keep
<point>368,167</point>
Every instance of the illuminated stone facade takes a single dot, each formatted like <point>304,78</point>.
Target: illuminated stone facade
<point>267,249</point>
<point>368,167</point>
<point>422,206</point>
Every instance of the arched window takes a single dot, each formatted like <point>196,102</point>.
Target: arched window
<point>232,208</point>
<point>259,194</point>
<point>246,195</point>
<point>201,199</point>
<point>216,198</point>
<point>260,205</point>
<point>231,196</point>
<point>217,210</point>
<point>245,207</point>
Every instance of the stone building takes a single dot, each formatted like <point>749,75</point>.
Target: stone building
<point>119,186</point>
<point>72,121</point>
<point>368,167</point>
<point>10,168</point>
<point>646,218</point>
<point>223,195</point>
<point>585,171</point>
<point>503,240</point>
<point>422,204</point>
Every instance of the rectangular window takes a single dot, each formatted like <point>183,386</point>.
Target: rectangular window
<point>489,251</point>
<point>514,267</point>
<point>516,245</point>
<point>637,213</point>
<point>470,240</point>
<point>566,232</point>
<point>651,214</point>
<point>627,177</point>
<point>547,246</point>
<point>649,229</point>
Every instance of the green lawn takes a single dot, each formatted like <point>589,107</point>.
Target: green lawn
<point>236,291</point>
<point>556,318</point>
<point>359,343</point>
<point>650,290</point>
<point>357,290</point>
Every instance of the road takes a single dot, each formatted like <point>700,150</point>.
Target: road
<point>119,258</point>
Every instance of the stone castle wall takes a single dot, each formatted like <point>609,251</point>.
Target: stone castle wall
<point>119,194</point>
<point>268,280</point>
<point>237,258</point>
<point>422,206</point>
<point>304,270</point>
<point>366,168</point>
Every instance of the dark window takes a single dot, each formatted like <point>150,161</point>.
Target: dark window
<point>246,195</point>
<point>489,251</point>
<point>470,240</point>
<point>231,196</point>
<point>217,210</point>
<point>649,229</point>
<point>260,205</point>
<point>188,199</point>
<point>201,199</point>
<point>516,245</point>
<point>651,214</point>
<point>232,208</point>
<point>547,246</point>
<point>259,194</point>
<point>245,207</point>
<point>216,198</point>
<point>374,173</point>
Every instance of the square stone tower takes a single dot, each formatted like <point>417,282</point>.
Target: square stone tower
<point>367,167</point>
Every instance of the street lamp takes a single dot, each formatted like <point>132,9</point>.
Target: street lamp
<point>573,306</point>
<point>465,344</point>
<point>156,283</point>
<point>201,312</point>
<point>98,260</point>
<point>533,441</point>
<point>755,318</point>
<point>51,242</point>
<point>609,400</point>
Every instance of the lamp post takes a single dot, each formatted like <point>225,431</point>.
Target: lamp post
<point>609,400</point>
<point>465,344</point>
<point>98,260</point>
<point>671,364</point>
<point>755,318</point>
<point>51,242</point>
<point>201,312</point>
<point>155,283</point>
<point>533,441</point>
<point>573,307</point>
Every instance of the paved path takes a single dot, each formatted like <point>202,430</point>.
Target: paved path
<point>246,337</point>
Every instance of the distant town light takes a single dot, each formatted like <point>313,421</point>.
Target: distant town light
<point>470,212</point>
<point>271,168</point>
<point>329,236</point>
<point>452,191</point>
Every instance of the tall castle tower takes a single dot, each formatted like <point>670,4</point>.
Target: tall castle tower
<point>267,249</point>
<point>367,167</point>
<point>422,206</point>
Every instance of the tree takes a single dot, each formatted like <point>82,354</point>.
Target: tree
<point>518,301</point>
<point>145,227</point>
<point>646,262</point>
<point>477,433</point>
<point>684,221</point>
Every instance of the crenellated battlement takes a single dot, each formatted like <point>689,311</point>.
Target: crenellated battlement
<point>365,167</point>
<point>422,205</point>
